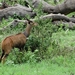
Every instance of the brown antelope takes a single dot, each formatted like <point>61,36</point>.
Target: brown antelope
<point>16,41</point>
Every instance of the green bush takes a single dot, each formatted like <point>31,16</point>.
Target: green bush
<point>39,39</point>
<point>40,44</point>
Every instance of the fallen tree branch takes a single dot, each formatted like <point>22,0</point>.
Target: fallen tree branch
<point>16,10</point>
<point>53,18</point>
<point>59,17</point>
<point>66,7</point>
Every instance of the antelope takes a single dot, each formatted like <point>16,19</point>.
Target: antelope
<point>16,41</point>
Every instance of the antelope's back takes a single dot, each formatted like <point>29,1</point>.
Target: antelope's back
<point>14,40</point>
<point>18,39</point>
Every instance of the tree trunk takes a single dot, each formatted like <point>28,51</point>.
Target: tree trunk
<point>66,7</point>
<point>17,10</point>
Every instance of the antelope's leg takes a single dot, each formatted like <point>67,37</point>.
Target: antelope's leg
<point>3,58</point>
<point>2,55</point>
<point>5,55</point>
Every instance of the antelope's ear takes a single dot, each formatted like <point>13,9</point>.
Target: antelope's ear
<point>29,22</point>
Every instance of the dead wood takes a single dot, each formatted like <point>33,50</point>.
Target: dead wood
<point>56,19</point>
<point>66,7</point>
<point>16,10</point>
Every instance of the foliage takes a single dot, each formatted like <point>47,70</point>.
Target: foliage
<point>58,65</point>
<point>49,49</point>
<point>46,41</point>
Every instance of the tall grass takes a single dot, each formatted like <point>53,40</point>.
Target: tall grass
<point>58,65</point>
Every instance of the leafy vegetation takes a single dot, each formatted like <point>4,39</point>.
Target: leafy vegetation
<point>43,68</point>
<point>48,51</point>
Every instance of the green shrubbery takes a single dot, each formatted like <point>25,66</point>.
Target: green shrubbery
<point>40,44</point>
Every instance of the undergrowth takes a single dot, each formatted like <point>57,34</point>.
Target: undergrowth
<point>46,41</point>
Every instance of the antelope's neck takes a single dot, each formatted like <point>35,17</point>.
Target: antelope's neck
<point>27,30</point>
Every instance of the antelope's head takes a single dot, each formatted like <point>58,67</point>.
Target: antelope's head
<point>31,23</point>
